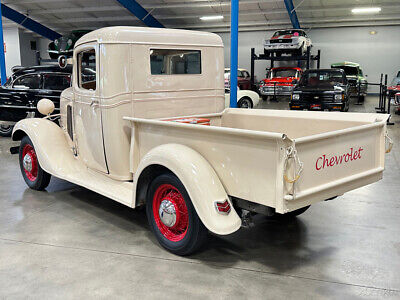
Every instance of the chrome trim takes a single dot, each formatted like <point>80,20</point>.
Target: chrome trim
<point>7,123</point>
<point>31,114</point>
<point>17,106</point>
<point>167,213</point>
<point>222,202</point>
<point>27,162</point>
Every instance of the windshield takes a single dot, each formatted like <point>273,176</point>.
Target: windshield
<point>9,81</point>
<point>283,73</point>
<point>239,73</point>
<point>348,70</point>
<point>289,32</point>
<point>396,81</point>
<point>316,78</point>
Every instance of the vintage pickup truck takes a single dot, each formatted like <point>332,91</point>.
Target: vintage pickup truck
<point>149,127</point>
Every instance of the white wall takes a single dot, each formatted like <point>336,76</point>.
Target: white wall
<point>379,53</point>
<point>43,46</point>
<point>12,55</point>
<point>28,56</point>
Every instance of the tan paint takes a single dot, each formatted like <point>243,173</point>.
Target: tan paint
<point>242,153</point>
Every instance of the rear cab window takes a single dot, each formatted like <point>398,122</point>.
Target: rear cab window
<point>175,62</point>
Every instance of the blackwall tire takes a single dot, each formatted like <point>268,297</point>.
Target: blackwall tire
<point>245,102</point>
<point>6,130</point>
<point>172,217</point>
<point>35,177</point>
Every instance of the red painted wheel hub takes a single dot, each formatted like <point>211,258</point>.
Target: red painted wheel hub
<point>29,162</point>
<point>170,212</point>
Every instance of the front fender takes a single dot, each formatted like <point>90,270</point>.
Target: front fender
<point>200,181</point>
<point>48,138</point>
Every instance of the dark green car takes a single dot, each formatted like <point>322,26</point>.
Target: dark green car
<point>355,77</point>
<point>65,44</point>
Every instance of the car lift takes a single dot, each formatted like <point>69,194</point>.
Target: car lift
<point>272,57</point>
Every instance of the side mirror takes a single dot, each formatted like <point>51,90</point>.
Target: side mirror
<point>295,81</point>
<point>45,106</point>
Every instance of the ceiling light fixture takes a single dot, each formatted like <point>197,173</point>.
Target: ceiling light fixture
<point>366,10</point>
<point>211,18</point>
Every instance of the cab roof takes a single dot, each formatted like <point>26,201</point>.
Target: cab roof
<point>324,70</point>
<point>345,63</point>
<point>287,68</point>
<point>152,36</point>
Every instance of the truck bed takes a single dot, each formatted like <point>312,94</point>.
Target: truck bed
<point>248,149</point>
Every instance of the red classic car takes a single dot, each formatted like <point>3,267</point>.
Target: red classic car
<point>394,87</point>
<point>243,77</point>
<point>280,81</point>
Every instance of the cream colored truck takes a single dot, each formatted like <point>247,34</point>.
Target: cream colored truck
<point>144,123</point>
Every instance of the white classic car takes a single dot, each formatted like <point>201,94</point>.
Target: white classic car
<point>245,98</point>
<point>290,41</point>
<point>149,128</point>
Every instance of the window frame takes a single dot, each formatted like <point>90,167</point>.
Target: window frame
<point>26,75</point>
<point>55,74</point>
<point>86,48</point>
<point>177,49</point>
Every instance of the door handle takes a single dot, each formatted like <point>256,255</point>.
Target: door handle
<point>94,103</point>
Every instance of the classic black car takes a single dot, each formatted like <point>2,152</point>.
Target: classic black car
<point>321,89</point>
<point>25,87</point>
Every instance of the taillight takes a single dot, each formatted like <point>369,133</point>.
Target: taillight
<point>223,207</point>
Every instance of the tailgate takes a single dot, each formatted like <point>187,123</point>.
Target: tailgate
<point>336,162</point>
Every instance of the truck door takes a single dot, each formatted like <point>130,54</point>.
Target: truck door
<point>87,108</point>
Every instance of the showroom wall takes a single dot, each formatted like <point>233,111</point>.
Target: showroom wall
<point>11,41</point>
<point>379,53</point>
<point>28,55</point>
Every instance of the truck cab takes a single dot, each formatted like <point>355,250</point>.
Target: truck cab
<point>136,73</point>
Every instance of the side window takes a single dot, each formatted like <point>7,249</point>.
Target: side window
<point>87,70</point>
<point>56,82</point>
<point>246,74</point>
<point>28,82</point>
<point>173,61</point>
<point>361,72</point>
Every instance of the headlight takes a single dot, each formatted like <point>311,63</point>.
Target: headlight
<point>296,96</point>
<point>56,42</point>
<point>69,42</point>
<point>339,96</point>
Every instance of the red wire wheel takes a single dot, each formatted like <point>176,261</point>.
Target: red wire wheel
<point>30,162</point>
<point>170,212</point>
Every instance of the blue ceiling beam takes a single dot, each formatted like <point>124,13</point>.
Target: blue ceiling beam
<point>292,14</point>
<point>234,52</point>
<point>2,54</point>
<point>28,23</point>
<point>141,13</point>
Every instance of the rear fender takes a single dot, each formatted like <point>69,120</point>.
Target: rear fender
<point>49,142</point>
<point>200,181</point>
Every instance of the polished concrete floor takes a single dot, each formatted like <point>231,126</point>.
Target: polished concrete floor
<point>68,242</point>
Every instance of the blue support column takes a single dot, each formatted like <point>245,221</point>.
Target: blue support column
<point>28,23</point>
<point>2,54</point>
<point>141,13</point>
<point>292,14</point>
<point>234,51</point>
